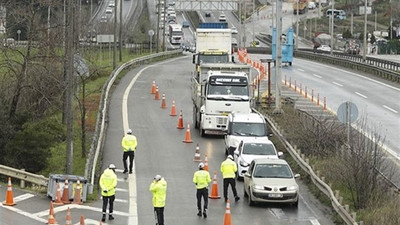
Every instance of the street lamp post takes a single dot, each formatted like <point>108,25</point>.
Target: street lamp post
<point>365,31</point>
<point>332,21</point>
<point>151,33</point>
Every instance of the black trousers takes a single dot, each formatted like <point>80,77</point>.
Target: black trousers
<point>227,182</point>
<point>202,193</point>
<point>159,214</point>
<point>106,200</point>
<point>131,155</point>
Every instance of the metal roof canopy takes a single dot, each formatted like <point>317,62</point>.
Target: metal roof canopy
<point>198,5</point>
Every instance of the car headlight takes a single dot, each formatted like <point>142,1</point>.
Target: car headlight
<point>292,188</point>
<point>243,163</point>
<point>258,187</point>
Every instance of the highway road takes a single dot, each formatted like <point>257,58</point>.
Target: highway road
<point>161,151</point>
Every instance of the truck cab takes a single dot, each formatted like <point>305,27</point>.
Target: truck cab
<point>242,126</point>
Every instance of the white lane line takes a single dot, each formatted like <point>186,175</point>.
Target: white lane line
<point>314,221</point>
<point>26,214</point>
<point>62,208</point>
<point>121,200</point>
<point>300,70</point>
<point>359,94</point>
<point>316,75</point>
<point>337,84</point>
<point>23,197</point>
<point>121,190</point>
<point>388,108</point>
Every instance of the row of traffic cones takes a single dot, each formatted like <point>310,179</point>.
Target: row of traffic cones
<point>64,198</point>
<point>155,91</point>
<point>197,157</point>
<point>68,220</point>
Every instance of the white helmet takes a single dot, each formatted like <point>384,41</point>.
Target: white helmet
<point>157,177</point>
<point>129,131</point>
<point>230,157</point>
<point>201,165</point>
<point>111,166</point>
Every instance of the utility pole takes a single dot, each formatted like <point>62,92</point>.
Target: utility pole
<point>297,24</point>
<point>253,17</point>
<point>278,67</point>
<point>115,37</point>
<point>120,30</point>
<point>158,25</point>
<point>69,73</point>
<point>365,31</point>
<point>391,19</point>
<point>332,21</point>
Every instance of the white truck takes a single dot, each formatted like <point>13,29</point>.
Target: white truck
<point>175,34</point>
<point>219,89</point>
<point>213,44</point>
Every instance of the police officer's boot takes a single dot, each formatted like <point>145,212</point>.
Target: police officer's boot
<point>103,218</point>
<point>199,213</point>
<point>110,217</point>
<point>205,213</point>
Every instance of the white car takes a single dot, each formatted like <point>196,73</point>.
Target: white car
<point>222,18</point>
<point>234,30</point>
<point>111,4</point>
<point>324,48</point>
<point>109,10</point>
<point>253,148</point>
<point>271,180</point>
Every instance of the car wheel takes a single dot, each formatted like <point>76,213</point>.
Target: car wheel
<point>250,200</point>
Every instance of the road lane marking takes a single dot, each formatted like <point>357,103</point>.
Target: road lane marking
<point>121,200</point>
<point>314,221</point>
<point>62,208</point>
<point>316,75</point>
<point>300,70</point>
<point>337,84</point>
<point>26,214</point>
<point>359,94</point>
<point>388,108</point>
<point>23,197</point>
<point>121,190</point>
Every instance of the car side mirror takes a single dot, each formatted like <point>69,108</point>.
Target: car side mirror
<point>236,152</point>
<point>247,174</point>
<point>296,175</point>
<point>280,154</point>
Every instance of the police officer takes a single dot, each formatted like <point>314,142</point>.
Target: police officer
<point>108,183</point>
<point>228,170</point>
<point>159,189</point>
<point>129,143</point>
<point>202,179</point>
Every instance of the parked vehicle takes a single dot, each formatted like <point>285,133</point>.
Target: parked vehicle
<point>324,48</point>
<point>253,148</point>
<point>338,14</point>
<point>271,180</point>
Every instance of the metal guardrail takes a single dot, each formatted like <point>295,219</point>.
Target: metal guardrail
<point>348,217</point>
<point>102,116</point>
<point>23,175</point>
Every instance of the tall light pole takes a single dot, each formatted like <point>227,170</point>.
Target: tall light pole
<point>332,21</point>
<point>278,67</point>
<point>365,31</point>
<point>253,19</point>
<point>391,19</point>
<point>120,30</point>
<point>297,24</point>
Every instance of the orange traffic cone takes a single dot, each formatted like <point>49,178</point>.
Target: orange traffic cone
<point>9,196</point>
<point>214,189</point>
<point>163,104</point>
<point>51,219</point>
<point>58,200</point>
<point>77,196</point>
<point>205,162</point>
<point>188,139</point>
<point>68,219</point>
<point>65,195</point>
<point>153,87</point>
<point>180,121</point>
<point>197,154</point>
<point>157,96</point>
<point>82,221</point>
<point>228,220</point>
<point>173,109</point>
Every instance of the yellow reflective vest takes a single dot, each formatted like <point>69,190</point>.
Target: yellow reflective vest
<point>201,178</point>
<point>228,169</point>
<point>129,143</point>
<point>159,190</point>
<point>108,182</point>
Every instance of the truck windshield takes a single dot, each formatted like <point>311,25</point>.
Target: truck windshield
<point>248,129</point>
<point>228,90</point>
<point>224,58</point>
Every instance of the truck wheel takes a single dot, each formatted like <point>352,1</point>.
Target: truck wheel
<point>202,134</point>
<point>196,123</point>
<point>290,63</point>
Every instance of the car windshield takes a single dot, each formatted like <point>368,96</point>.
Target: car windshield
<point>249,129</point>
<point>258,149</point>
<point>272,171</point>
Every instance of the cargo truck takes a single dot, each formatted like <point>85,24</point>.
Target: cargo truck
<point>302,6</point>
<point>217,90</point>
<point>213,44</point>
